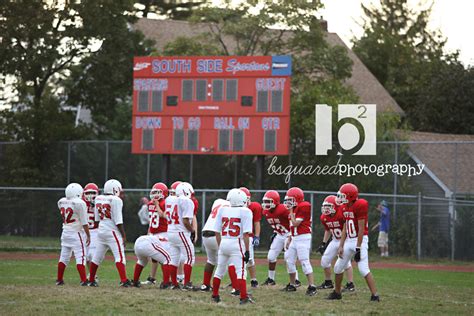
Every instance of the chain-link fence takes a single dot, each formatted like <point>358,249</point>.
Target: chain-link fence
<point>416,229</point>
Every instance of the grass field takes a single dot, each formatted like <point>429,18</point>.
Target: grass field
<point>27,287</point>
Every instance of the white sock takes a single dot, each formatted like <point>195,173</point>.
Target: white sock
<point>271,274</point>
<point>297,278</point>
<point>180,276</point>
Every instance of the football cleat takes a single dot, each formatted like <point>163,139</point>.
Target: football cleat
<point>135,284</point>
<point>165,286</point>
<point>246,300</point>
<point>297,283</point>
<point>59,282</point>
<point>176,286</point>
<point>349,287</point>
<point>205,288</point>
<point>311,291</point>
<point>334,296</point>
<point>235,292</point>
<point>126,284</point>
<point>85,283</point>
<point>149,281</point>
<point>325,285</point>
<point>269,281</point>
<point>374,298</point>
<point>289,288</point>
<point>254,283</point>
<point>93,284</point>
<point>216,299</point>
<point>188,287</point>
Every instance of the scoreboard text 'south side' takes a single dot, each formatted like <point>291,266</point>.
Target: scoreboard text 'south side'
<point>228,105</point>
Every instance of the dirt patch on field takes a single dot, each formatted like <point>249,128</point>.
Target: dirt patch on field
<point>260,261</point>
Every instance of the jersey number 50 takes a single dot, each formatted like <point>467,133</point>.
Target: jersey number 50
<point>230,226</point>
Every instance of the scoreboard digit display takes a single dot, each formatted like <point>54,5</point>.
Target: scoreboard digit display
<point>224,105</point>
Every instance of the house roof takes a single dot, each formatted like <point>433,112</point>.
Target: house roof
<point>364,83</point>
<point>448,156</point>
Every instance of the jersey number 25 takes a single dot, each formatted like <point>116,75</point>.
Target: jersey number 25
<point>230,226</point>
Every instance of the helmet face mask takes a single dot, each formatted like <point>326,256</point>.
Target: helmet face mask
<point>341,198</point>
<point>157,194</point>
<point>268,203</point>
<point>90,195</point>
<point>289,202</point>
<point>328,209</point>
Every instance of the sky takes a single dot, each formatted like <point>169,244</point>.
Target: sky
<point>453,17</point>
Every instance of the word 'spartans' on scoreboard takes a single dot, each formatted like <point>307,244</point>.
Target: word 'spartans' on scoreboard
<point>224,105</point>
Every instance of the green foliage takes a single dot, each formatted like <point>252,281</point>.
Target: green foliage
<point>410,60</point>
<point>172,9</point>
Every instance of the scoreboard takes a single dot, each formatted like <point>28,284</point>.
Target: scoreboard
<point>226,105</point>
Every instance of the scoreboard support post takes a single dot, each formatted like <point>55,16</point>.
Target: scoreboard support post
<point>260,168</point>
<point>165,168</point>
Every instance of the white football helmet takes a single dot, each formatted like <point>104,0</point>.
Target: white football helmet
<point>184,189</point>
<point>237,198</point>
<point>74,190</point>
<point>113,187</point>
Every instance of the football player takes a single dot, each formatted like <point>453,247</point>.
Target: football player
<point>180,213</point>
<point>108,212</point>
<point>209,242</point>
<point>91,190</point>
<point>299,240</point>
<point>354,239</point>
<point>256,209</point>
<point>277,217</point>
<point>233,226</point>
<point>146,247</point>
<point>158,225</point>
<point>75,236</point>
<point>333,222</point>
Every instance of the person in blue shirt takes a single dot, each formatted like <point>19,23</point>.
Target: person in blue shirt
<point>384,226</point>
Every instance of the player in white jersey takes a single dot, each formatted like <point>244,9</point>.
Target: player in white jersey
<point>75,236</point>
<point>150,247</point>
<point>91,190</point>
<point>209,242</point>
<point>232,226</point>
<point>108,212</point>
<point>180,213</point>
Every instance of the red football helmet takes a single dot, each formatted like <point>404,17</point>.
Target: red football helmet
<point>247,193</point>
<point>270,200</point>
<point>293,196</point>
<point>172,190</point>
<point>329,205</point>
<point>159,191</point>
<point>91,190</point>
<point>347,193</point>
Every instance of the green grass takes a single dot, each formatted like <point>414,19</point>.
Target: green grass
<point>27,287</point>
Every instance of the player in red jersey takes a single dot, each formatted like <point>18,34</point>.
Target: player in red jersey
<point>300,239</point>
<point>91,190</point>
<point>277,217</point>
<point>333,223</point>
<point>158,225</point>
<point>354,240</point>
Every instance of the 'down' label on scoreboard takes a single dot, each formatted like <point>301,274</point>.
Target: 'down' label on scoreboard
<point>148,122</point>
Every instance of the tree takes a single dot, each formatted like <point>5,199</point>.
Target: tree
<point>43,44</point>
<point>172,9</point>
<point>410,61</point>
